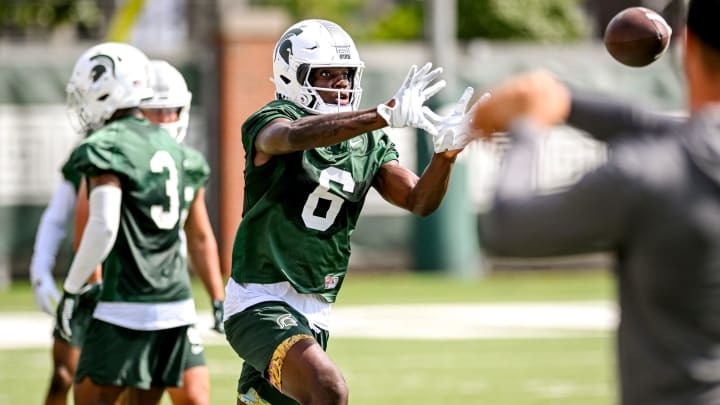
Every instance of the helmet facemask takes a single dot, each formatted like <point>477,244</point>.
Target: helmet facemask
<point>316,103</point>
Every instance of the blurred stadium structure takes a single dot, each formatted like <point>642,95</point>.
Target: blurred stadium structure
<point>228,78</point>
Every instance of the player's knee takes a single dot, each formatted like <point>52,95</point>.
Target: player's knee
<point>61,379</point>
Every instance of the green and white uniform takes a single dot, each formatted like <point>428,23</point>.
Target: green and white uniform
<point>293,244</point>
<point>301,208</point>
<point>146,285</point>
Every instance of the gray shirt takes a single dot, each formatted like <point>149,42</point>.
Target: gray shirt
<point>655,204</point>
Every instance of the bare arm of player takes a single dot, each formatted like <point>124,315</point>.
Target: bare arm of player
<point>281,136</point>
<point>537,96</point>
<point>419,195</point>
<point>546,101</point>
<point>202,247</point>
<point>81,218</point>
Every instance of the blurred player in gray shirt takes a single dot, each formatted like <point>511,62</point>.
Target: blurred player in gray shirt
<point>655,204</point>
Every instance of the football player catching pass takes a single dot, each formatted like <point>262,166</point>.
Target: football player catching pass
<point>311,157</point>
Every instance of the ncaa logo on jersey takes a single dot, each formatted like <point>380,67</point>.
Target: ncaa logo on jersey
<point>331,281</point>
<point>286,320</point>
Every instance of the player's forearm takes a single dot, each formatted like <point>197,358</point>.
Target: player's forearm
<point>205,263</point>
<point>329,129</point>
<point>52,229</point>
<point>431,187</point>
<point>47,243</point>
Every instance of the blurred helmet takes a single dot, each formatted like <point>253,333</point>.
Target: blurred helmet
<point>311,44</point>
<point>170,91</point>
<point>106,78</point>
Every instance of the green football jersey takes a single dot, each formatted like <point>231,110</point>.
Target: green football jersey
<point>301,208</point>
<point>157,176</point>
<point>71,175</point>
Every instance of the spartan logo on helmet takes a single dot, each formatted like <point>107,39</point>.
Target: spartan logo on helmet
<point>284,45</point>
<point>103,65</point>
<point>106,78</point>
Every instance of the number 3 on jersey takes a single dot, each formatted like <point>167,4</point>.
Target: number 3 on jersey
<point>322,191</point>
<point>160,161</point>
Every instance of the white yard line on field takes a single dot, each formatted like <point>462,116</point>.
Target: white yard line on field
<point>464,321</point>
<point>411,321</point>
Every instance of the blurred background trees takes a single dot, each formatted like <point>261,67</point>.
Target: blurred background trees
<point>378,20</point>
<point>539,20</point>
<point>368,20</point>
<point>39,18</point>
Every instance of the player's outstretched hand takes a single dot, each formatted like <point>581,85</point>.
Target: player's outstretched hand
<point>537,96</point>
<point>65,311</point>
<point>218,313</point>
<point>453,131</point>
<point>46,293</point>
<point>405,109</point>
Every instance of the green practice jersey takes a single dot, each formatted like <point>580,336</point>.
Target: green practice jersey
<point>301,208</point>
<point>71,175</point>
<point>157,175</point>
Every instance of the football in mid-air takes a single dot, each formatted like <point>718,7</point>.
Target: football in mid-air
<point>637,36</point>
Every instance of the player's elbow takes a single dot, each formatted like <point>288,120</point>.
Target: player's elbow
<point>422,204</point>
<point>103,230</point>
<point>423,210</point>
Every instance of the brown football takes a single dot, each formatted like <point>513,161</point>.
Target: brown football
<point>637,36</point>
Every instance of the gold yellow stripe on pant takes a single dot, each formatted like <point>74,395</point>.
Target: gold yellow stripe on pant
<point>278,357</point>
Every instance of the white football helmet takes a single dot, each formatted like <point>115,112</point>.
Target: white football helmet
<point>311,44</point>
<point>106,78</point>
<point>170,91</point>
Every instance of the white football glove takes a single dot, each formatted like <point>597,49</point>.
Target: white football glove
<point>46,293</point>
<point>453,130</point>
<point>409,99</point>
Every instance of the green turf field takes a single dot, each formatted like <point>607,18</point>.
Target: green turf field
<point>536,371</point>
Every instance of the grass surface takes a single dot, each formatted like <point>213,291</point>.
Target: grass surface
<point>397,372</point>
<point>499,287</point>
<point>402,288</point>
